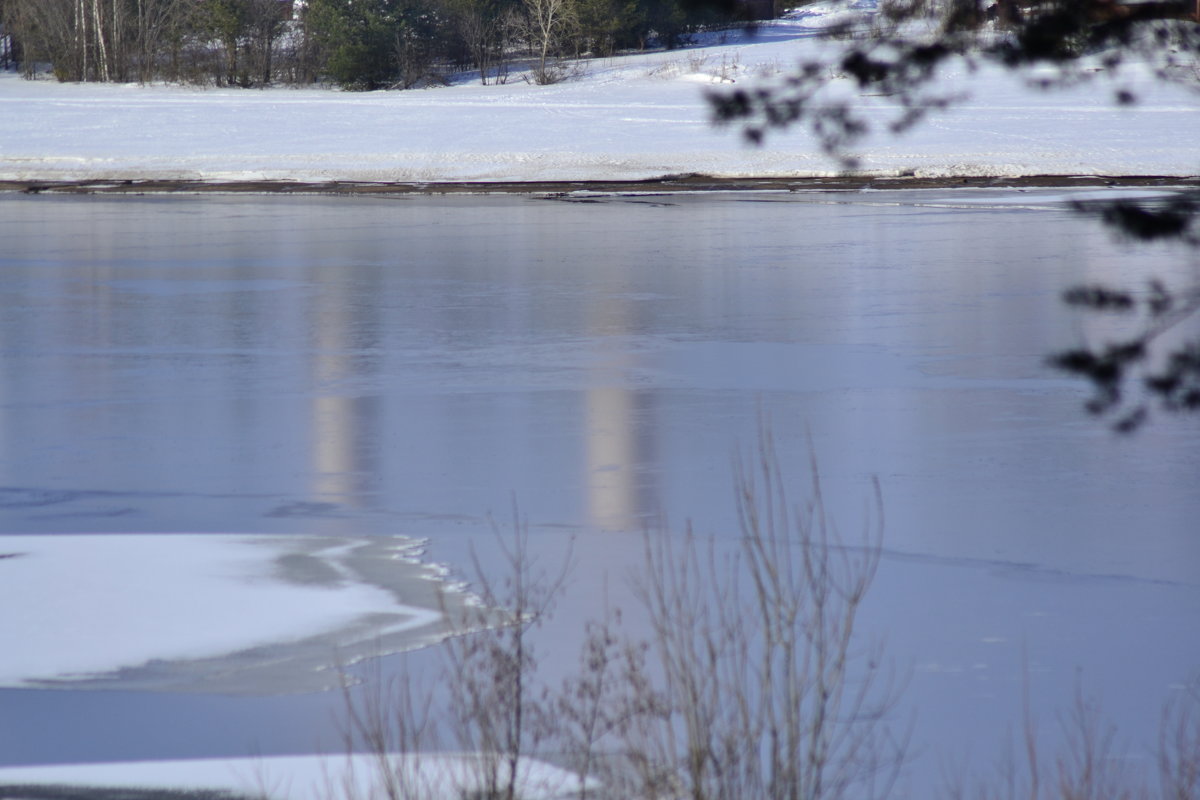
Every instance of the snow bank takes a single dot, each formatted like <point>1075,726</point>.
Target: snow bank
<point>627,118</point>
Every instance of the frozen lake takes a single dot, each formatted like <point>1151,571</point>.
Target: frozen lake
<point>407,366</point>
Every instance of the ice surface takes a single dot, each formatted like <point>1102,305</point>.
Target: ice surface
<point>350,366</point>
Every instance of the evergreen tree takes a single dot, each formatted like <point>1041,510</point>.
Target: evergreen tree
<point>373,44</point>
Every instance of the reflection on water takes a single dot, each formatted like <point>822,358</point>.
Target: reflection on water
<point>612,462</point>
<point>618,425</point>
<point>345,421</point>
<point>343,431</point>
<point>325,366</point>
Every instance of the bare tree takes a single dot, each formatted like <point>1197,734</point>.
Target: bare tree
<point>495,710</point>
<point>1089,766</point>
<point>757,685</point>
<point>9,46</point>
<point>751,685</point>
<point>97,40</point>
<point>1179,746</point>
<point>158,24</point>
<point>547,24</point>
<point>50,31</point>
<point>265,22</point>
<point>486,28</point>
<point>599,703</point>
<point>391,720</point>
<point>494,706</point>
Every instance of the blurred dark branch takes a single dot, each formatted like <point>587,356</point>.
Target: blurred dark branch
<point>881,72</point>
<point>893,57</point>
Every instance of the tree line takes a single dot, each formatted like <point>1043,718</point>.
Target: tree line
<point>357,44</point>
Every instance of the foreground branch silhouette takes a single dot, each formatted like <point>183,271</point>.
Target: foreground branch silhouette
<point>893,60</point>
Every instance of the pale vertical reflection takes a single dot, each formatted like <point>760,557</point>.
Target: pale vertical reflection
<point>6,448</point>
<point>611,458</point>
<point>342,423</point>
<point>333,449</point>
<point>618,497</point>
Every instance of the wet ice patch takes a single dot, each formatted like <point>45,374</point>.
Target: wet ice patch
<point>222,613</point>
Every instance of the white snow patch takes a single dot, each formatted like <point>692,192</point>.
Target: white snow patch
<point>81,607</point>
<point>432,776</point>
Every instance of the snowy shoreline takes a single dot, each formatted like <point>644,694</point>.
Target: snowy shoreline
<point>633,119</point>
<point>666,184</point>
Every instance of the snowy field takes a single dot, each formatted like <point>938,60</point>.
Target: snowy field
<point>626,118</point>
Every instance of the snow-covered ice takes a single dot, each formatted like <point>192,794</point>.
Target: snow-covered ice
<point>226,613</point>
<point>447,775</point>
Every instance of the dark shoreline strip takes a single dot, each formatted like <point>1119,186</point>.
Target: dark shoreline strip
<point>39,791</point>
<point>670,183</point>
